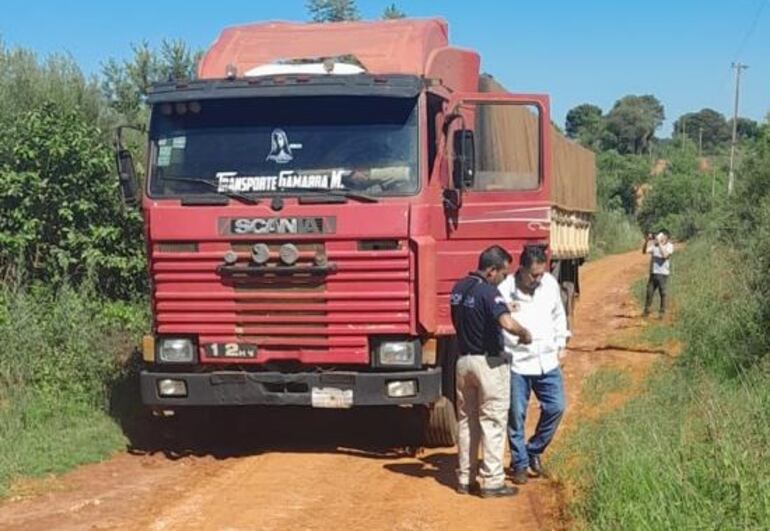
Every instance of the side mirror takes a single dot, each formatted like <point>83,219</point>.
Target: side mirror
<point>126,169</point>
<point>126,175</point>
<point>464,169</point>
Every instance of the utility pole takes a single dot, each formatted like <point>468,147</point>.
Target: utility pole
<point>731,176</point>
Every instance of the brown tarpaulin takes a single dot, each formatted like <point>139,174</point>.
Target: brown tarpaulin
<point>573,185</point>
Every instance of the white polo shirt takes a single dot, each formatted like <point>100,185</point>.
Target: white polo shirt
<point>543,315</point>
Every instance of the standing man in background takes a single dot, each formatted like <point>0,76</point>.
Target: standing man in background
<point>660,250</point>
<point>483,393</point>
<point>534,299</point>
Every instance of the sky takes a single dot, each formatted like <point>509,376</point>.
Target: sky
<point>577,52</point>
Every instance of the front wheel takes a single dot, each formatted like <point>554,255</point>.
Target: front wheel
<point>440,424</point>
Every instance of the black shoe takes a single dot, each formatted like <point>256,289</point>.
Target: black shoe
<point>519,477</point>
<point>467,489</point>
<point>499,492</point>
<point>536,466</point>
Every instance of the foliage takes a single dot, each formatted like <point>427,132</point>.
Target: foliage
<point>62,352</point>
<point>618,179</point>
<point>632,122</point>
<point>60,216</point>
<point>613,231</point>
<point>706,122</point>
<point>693,451</point>
<point>333,10</point>
<point>125,84</point>
<point>690,453</point>
<point>392,12</point>
<point>585,124</point>
<point>26,83</point>
<point>602,383</point>
<point>747,129</point>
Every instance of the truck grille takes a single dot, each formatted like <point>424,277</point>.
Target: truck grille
<point>314,319</point>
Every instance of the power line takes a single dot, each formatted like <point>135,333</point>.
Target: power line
<point>751,29</point>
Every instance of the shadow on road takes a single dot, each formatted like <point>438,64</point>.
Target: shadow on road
<point>224,432</point>
<point>439,466</point>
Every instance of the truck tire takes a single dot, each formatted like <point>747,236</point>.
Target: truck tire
<point>439,420</point>
<point>440,424</point>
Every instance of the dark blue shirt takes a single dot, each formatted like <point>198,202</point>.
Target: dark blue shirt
<point>476,309</point>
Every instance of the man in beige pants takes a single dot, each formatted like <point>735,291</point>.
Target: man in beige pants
<point>479,313</point>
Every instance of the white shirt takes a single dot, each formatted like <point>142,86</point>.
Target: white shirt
<point>660,265</point>
<point>543,315</point>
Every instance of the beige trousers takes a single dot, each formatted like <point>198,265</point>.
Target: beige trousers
<point>483,399</point>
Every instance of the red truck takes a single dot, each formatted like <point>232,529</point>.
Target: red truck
<point>311,199</point>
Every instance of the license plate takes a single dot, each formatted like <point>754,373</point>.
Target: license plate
<point>231,350</point>
<point>331,397</point>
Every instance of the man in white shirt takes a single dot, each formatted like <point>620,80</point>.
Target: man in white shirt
<point>534,298</point>
<point>660,250</point>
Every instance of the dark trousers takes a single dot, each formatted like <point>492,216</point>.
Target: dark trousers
<point>656,282</point>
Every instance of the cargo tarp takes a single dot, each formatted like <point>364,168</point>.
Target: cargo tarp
<point>510,147</point>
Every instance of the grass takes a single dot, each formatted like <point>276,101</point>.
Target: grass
<point>603,382</point>
<point>613,232</point>
<point>692,451</point>
<point>63,352</point>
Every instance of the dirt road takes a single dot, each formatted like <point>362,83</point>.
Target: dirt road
<point>301,469</point>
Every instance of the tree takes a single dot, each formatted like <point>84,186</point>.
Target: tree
<point>706,123</point>
<point>632,122</point>
<point>747,128</point>
<point>27,82</point>
<point>585,124</point>
<point>333,10</point>
<point>618,178</point>
<point>125,84</point>
<point>392,12</point>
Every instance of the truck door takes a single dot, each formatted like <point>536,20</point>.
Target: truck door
<point>501,197</point>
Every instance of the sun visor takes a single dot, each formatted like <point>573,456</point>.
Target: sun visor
<point>394,86</point>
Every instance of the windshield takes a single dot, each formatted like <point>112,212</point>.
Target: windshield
<point>271,145</point>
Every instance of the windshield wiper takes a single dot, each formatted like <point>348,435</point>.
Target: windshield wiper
<point>360,196</point>
<point>229,193</point>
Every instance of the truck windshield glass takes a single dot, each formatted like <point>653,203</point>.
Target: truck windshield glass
<point>265,146</point>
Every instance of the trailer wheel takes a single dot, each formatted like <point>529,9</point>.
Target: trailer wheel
<point>440,424</point>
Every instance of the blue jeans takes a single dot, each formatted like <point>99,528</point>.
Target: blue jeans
<point>549,390</point>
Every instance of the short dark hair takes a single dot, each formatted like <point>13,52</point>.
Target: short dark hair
<point>532,254</point>
<point>494,257</point>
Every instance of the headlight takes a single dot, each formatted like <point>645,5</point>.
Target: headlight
<point>398,353</point>
<point>175,351</point>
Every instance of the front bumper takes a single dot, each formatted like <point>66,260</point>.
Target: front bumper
<point>231,388</point>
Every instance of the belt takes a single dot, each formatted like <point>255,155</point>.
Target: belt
<point>478,354</point>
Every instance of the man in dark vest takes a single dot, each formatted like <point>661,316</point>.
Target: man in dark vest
<point>479,313</point>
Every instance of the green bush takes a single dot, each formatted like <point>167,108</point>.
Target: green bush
<point>60,215</point>
<point>617,178</point>
<point>679,199</point>
<point>63,351</point>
